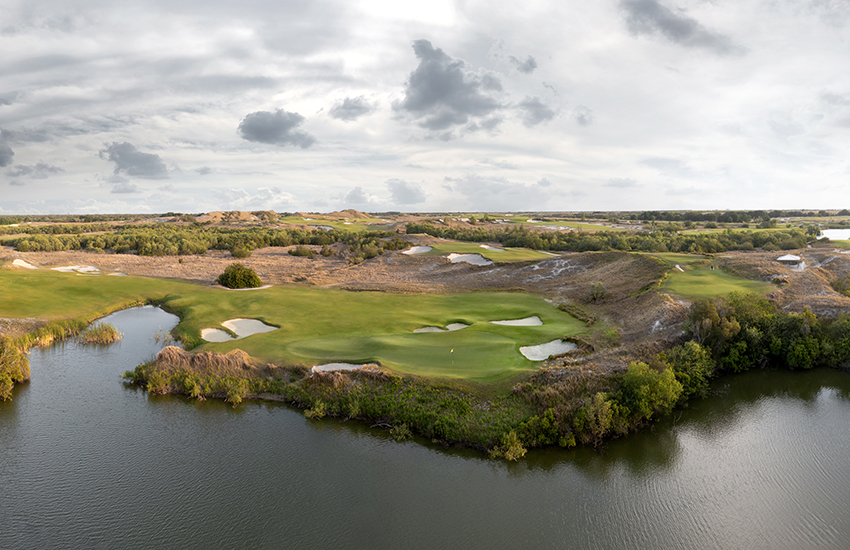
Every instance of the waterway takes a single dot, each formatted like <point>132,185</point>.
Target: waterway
<point>88,462</point>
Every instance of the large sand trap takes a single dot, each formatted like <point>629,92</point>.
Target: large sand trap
<point>328,367</point>
<point>449,328</point>
<point>544,351</point>
<point>215,335</point>
<point>241,327</point>
<point>24,264</point>
<point>533,321</point>
<point>77,269</point>
<point>493,248</point>
<point>417,250</point>
<point>475,259</point>
<point>247,327</point>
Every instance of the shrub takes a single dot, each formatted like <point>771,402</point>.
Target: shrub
<point>301,250</point>
<point>238,276</point>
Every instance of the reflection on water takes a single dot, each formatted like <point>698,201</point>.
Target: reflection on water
<point>88,462</point>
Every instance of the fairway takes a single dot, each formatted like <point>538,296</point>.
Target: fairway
<point>504,255</point>
<point>317,325</point>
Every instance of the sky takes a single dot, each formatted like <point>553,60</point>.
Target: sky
<point>466,105</point>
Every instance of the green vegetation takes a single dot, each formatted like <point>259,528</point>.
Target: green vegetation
<point>318,325</point>
<point>238,276</point>
<point>703,281</point>
<point>101,334</point>
<point>662,240</point>
<point>506,255</point>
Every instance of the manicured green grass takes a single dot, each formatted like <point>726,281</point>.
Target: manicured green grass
<point>591,227</point>
<point>506,255</point>
<point>701,282</point>
<point>317,325</point>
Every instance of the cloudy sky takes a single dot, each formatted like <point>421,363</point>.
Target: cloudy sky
<point>318,105</point>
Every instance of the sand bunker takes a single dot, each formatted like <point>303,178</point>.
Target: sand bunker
<point>247,327</point>
<point>241,327</point>
<point>215,335</point>
<point>417,250</point>
<point>77,269</point>
<point>241,289</point>
<point>449,328</point>
<point>533,321</point>
<point>25,265</point>
<point>541,352</point>
<point>493,248</point>
<point>680,268</point>
<point>328,367</point>
<point>475,259</point>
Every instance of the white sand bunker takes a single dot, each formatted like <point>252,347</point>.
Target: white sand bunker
<point>475,259</point>
<point>417,250</point>
<point>241,327</point>
<point>493,248</point>
<point>329,367</point>
<point>215,335</point>
<point>77,269</point>
<point>449,328</point>
<point>544,351</point>
<point>24,264</point>
<point>533,321</point>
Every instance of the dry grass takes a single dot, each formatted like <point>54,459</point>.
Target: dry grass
<point>232,363</point>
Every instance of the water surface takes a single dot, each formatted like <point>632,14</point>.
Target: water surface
<point>87,462</point>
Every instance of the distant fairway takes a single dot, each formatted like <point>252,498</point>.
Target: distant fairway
<point>317,325</point>
<point>505,255</point>
<point>700,282</point>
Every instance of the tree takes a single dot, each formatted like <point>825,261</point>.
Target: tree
<point>238,276</point>
<point>647,392</point>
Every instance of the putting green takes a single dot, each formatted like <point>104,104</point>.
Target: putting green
<point>701,282</point>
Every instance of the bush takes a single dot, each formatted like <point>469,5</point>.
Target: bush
<point>302,251</point>
<point>238,276</point>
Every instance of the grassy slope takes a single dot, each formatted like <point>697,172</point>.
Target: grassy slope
<point>317,325</point>
<point>700,282</point>
<point>507,255</point>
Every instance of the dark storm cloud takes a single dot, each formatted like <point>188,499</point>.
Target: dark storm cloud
<point>39,170</point>
<point>276,128</point>
<point>351,108</point>
<point>526,66</point>
<point>441,93</point>
<point>132,162</point>
<point>404,192</point>
<point>533,111</point>
<point>6,155</point>
<point>648,17</point>
<point>583,116</point>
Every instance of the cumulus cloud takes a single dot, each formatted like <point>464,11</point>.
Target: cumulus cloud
<point>356,196</point>
<point>132,162</point>
<point>125,187</point>
<point>404,192</point>
<point>351,108</point>
<point>6,155</point>
<point>497,193</point>
<point>442,93</point>
<point>620,183</point>
<point>268,198</point>
<point>526,66</point>
<point>583,116</point>
<point>204,170</point>
<point>533,111</point>
<point>648,17</point>
<point>39,170</point>
<point>276,128</point>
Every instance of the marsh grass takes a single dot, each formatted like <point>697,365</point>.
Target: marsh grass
<point>101,334</point>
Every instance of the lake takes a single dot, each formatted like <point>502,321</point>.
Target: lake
<point>89,462</point>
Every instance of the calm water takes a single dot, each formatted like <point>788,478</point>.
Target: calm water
<point>86,462</point>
